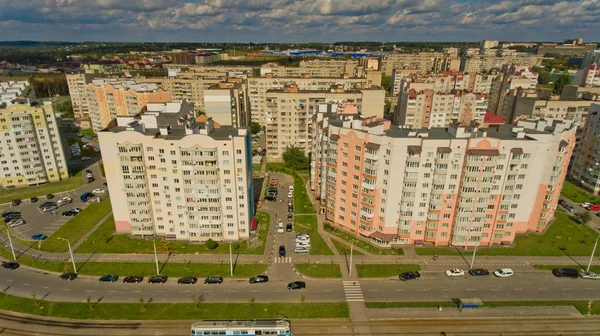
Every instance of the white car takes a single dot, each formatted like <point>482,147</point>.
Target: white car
<point>455,272</point>
<point>585,204</point>
<point>85,158</point>
<point>17,222</point>
<point>291,194</point>
<point>291,188</point>
<point>90,175</point>
<point>589,275</point>
<point>504,273</point>
<point>98,191</point>
<point>280,228</point>
<point>64,200</point>
<point>301,249</point>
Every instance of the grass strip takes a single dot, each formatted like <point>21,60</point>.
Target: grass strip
<point>577,195</point>
<point>7,195</point>
<point>384,270</point>
<point>320,270</point>
<point>581,306</point>
<point>344,249</point>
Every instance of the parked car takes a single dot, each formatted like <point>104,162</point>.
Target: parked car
<point>17,222</point>
<point>10,217</point>
<point>77,210</point>
<point>302,234</point>
<point>91,179</point>
<point>133,279</point>
<point>99,191</point>
<point>69,213</point>
<point>187,280</point>
<point>589,275</point>
<point>109,278</point>
<point>214,280</point>
<point>291,188</point>
<point>8,212</point>
<point>569,207</point>
<point>562,202</point>
<point>271,197</point>
<point>85,158</point>
<point>479,271</point>
<point>89,171</point>
<point>594,207</point>
<point>565,272</point>
<point>411,275</point>
<point>585,204</point>
<point>49,208</point>
<point>455,272</point>
<point>86,196</point>
<point>259,279</point>
<point>301,249</point>
<point>290,217</point>
<point>33,199</point>
<point>280,227</point>
<point>49,196</point>
<point>39,236</point>
<point>68,276</point>
<point>63,201</point>
<point>504,272</point>
<point>290,208</point>
<point>158,279</point>
<point>15,202</point>
<point>296,285</point>
<point>10,265</point>
<point>288,227</point>
<point>282,251</point>
<point>290,194</point>
<point>47,204</point>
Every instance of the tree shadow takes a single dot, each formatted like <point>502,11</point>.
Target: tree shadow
<point>462,256</point>
<point>97,302</point>
<point>166,261</point>
<point>237,256</point>
<point>87,260</point>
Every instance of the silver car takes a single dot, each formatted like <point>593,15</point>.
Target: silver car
<point>589,275</point>
<point>17,222</point>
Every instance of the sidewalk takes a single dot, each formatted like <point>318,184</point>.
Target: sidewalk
<point>453,313</point>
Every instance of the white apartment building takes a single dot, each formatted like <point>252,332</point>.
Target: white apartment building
<point>11,90</point>
<point>227,104</point>
<point>171,175</point>
<point>78,92</point>
<point>31,150</point>
<point>586,159</point>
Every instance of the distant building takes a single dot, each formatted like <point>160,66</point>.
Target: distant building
<point>586,159</point>
<point>548,106</point>
<point>574,47</point>
<point>31,148</point>
<point>227,103</point>
<point>488,44</point>
<point>589,76</point>
<point>591,57</point>
<point>11,90</point>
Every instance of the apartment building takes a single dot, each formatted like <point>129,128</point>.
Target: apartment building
<point>31,150</point>
<point>489,44</point>
<point>564,49</point>
<point>111,98</point>
<point>459,186</point>
<point>290,110</point>
<point>227,104</point>
<point>483,63</point>
<point>447,81</point>
<point>77,83</point>
<point>549,106</point>
<point>188,89</point>
<point>591,57</point>
<point>11,90</point>
<point>257,89</point>
<point>428,108</point>
<point>171,175</point>
<point>580,92</point>
<point>421,62</point>
<point>504,87</point>
<point>589,76</point>
<point>586,159</point>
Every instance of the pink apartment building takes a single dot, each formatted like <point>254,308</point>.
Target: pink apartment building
<point>460,186</point>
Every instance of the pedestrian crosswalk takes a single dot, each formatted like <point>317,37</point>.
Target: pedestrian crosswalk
<point>282,260</point>
<point>353,291</point>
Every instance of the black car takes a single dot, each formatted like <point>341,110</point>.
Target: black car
<point>89,171</point>
<point>271,197</point>
<point>68,276</point>
<point>282,251</point>
<point>259,278</point>
<point>49,196</point>
<point>479,271</point>
<point>47,204</point>
<point>412,275</point>
<point>296,285</point>
<point>290,217</point>
<point>565,272</point>
<point>291,208</point>
<point>569,207</point>
<point>288,227</point>
<point>91,179</point>
<point>187,280</point>
<point>69,213</point>
<point>33,199</point>
<point>562,202</point>
<point>109,278</point>
<point>15,202</point>
<point>11,265</point>
<point>213,280</point>
<point>158,279</point>
<point>8,212</point>
<point>10,217</point>
<point>133,279</point>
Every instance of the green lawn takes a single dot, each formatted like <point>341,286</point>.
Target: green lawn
<point>87,132</point>
<point>361,243</point>
<point>384,270</point>
<point>101,168</point>
<point>344,249</point>
<point>319,270</point>
<point>74,229</point>
<point>172,311</point>
<point>577,195</point>
<point>581,268</point>
<point>582,306</point>
<point>564,237</point>
<point>308,224</point>
<point>7,195</point>
<point>104,240</point>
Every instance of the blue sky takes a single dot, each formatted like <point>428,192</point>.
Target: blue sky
<point>299,21</point>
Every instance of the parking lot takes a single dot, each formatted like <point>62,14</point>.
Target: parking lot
<point>47,223</point>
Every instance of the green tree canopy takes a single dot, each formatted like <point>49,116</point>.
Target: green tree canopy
<point>295,158</point>
<point>255,127</point>
<point>563,80</point>
<point>544,77</point>
<point>386,82</point>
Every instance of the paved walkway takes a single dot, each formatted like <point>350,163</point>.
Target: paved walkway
<point>409,313</point>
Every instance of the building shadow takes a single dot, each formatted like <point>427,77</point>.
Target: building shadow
<point>564,250</point>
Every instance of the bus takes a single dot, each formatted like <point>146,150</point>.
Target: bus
<point>279,327</point>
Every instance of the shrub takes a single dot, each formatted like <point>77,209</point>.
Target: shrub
<point>211,244</point>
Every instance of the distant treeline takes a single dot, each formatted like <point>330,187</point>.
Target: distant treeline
<point>49,86</point>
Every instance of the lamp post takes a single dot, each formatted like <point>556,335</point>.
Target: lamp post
<point>155,258</point>
<point>230,260</point>
<point>12,249</point>
<point>71,253</point>
<point>592,256</point>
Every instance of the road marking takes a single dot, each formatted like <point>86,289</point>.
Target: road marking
<point>398,290</point>
<point>26,284</point>
<point>136,291</point>
<point>566,288</point>
<point>254,291</point>
<point>542,289</point>
<point>518,289</point>
<point>89,290</point>
<point>112,291</point>
<point>45,287</point>
<point>66,289</point>
<point>355,300</point>
<point>495,289</point>
<point>423,289</point>
<point>230,291</point>
<point>187,291</point>
<point>589,289</point>
<point>470,289</point>
<point>162,291</point>
<point>9,280</point>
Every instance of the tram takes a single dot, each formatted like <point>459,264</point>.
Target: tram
<point>279,327</point>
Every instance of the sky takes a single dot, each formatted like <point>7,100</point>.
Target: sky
<point>297,21</point>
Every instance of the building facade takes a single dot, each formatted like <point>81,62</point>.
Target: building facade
<point>227,103</point>
<point>172,176</point>
<point>548,106</point>
<point>586,160</point>
<point>457,186</point>
<point>31,150</point>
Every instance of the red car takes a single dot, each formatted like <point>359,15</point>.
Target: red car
<point>593,207</point>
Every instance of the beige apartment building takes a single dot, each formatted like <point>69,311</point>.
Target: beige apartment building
<point>77,91</point>
<point>188,89</point>
<point>444,82</point>
<point>31,150</point>
<point>549,106</point>
<point>290,110</point>
<point>421,62</point>
<point>227,103</point>
<point>503,89</point>
<point>585,169</point>
<point>111,98</point>
<point>456,186</point>
<point>428,108</point>
<point>258,86</point>
<point>171,175</point>
<point>482,63</point>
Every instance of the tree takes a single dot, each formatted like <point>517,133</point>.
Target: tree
<point>295,158</point>
<point>563,80</point>
<point>143,307</point>
<point>585,217</point>
<point>255,127</point>
<point>544,77</point>
<point>211,244</point>
<point>386,82</point>
<point>388,107</point>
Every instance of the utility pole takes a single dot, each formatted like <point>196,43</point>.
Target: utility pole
<point>12,249</point>
<point>592,256</point>
<point>71,253</point>
<point>230,261</point>
<point>351,250</point>
<point>473,258</point>
<point>155,258</point>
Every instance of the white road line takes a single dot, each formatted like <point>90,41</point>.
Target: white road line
<point>136,291</point>
<point>66,289</point>
<point>9,280</point>
<point>398,290</point>
<point>254,291</point>
<point>89,290</point>
<point>112,291</point>
<point>356,300</point>
<point>327,290</point>
<point>45,287</point>
<point>26,284</point>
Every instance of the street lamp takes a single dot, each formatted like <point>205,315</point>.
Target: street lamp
<point>155,258</point>
<point>592,256</point>
<point>12,249</point>
<point>70,252</point>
